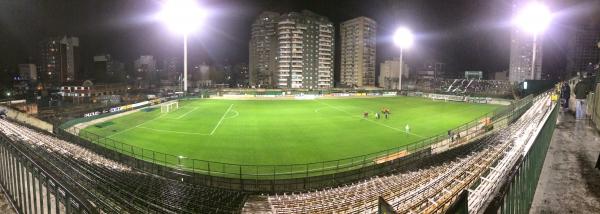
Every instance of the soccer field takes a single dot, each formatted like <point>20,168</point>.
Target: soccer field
<point>280,132</point>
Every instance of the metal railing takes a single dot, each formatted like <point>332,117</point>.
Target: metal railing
<point>30,188</point>
<point>292,177</point>
<point>516,195</point>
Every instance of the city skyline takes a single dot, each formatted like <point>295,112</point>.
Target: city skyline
<point>462,41</point>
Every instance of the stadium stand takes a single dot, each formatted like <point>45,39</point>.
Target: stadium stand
<point>465,87</point>
<point>430,186</point>
<point>424,190</point>
<point>115,188</point>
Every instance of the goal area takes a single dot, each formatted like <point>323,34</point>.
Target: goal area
<point>169,106</point>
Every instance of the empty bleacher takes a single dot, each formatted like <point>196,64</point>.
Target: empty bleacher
<point>421,190</point>
<point>428,187</point>
<point>115,188</point>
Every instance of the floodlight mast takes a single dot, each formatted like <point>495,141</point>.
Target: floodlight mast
<point>183,16</point>
<point>533,18</point>
<point>533,56</point>
<point>185,63</point>
<point>403,38</point>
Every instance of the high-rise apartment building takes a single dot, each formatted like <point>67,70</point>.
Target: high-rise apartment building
<point>521,53</point>
<point>302,51</point>
<point>170,72</point>
<point>59,60</point>
<point>240,75</point>
<point>28,72</point>
<point>145,74</point>
<point>170,65</point>
<point>583,52</point>
<point>358,39</point>
<point>263,46</point>
<point>103,71</point>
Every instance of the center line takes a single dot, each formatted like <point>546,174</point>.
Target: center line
<point>221,120</point>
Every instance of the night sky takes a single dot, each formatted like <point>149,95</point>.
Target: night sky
<point>464,34</point>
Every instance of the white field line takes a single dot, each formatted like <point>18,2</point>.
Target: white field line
<point>221,120</point>
<point>234,116</point>
<point>160,130</point>
<point>135,126</point>
<point>378,123</point>
<point>319,109</point>
<point>183,115</point>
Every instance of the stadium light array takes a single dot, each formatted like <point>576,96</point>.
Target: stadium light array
<point>185,17</point>
<point>403,38</point>
<point>182,16</point>
<point>533,18</point>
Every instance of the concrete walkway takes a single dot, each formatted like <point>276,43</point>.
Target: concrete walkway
<point>569,182</point>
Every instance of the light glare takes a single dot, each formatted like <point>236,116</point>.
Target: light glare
<point>182,16</point>
<point>533,18</point>
<point>403,38</point>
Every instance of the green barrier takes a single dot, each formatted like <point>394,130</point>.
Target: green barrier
<point>522,186</point>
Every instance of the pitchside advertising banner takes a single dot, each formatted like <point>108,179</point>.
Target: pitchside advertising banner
<point>125,107</point>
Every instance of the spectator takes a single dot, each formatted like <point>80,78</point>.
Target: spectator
<point>565,95</point>
<point>581,90</point>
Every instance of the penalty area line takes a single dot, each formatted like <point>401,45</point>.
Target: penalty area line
<point>160,130</point>
<point>195,108</point>
<point>221,120</point>
<point>234,116</point>
<point>137,126</point>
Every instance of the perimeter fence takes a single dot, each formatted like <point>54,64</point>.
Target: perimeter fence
<point>517,193</point>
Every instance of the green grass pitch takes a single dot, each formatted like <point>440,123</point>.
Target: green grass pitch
<point>280,132</point>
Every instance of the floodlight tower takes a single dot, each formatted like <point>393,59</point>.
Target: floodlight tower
<point>403,38</point>
<point>184,17</point>
<point>534,18</point>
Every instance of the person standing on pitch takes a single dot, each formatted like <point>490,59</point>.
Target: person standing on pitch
<point>377,115</point>
<point>407,128</point>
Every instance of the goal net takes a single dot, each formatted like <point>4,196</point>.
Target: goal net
<point>169,106</point>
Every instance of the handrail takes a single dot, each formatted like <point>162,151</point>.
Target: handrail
<point>68,192</point>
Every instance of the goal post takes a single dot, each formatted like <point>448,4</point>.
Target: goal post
<point>169,106</point>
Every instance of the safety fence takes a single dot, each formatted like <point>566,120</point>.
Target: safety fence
<point>30,188</point>
<point>516,195</point>
<point>293,177</point>
<point>593,109</point>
